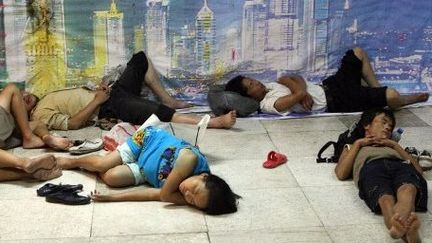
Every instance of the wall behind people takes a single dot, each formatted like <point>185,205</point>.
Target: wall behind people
<point>51,44</point>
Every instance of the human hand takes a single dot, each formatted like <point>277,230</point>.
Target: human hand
<point>101,96</point>
<point>307,102</point>
<point>385,142</point>
<point>366,141</point>
<point>97,196</point>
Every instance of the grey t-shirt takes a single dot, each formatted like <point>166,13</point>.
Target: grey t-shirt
<point>369,153</point>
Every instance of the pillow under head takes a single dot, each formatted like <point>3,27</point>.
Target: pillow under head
<point>222,102</point>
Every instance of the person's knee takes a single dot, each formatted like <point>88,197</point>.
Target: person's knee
<point>407,188</point>
<point>392,94</point>
<point>110,178</point>
<point>359,52</point>
<point>11,88</point>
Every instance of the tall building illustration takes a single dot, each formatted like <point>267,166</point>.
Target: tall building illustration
<point>139,37</point>
<point>253,31</point>
<point>45,47</point>
<point>15,19</point>
<point>156,36</point>
<point>183,49</point>
<point>108,39</point>
<point>205,39</point>
<point>282,35</point>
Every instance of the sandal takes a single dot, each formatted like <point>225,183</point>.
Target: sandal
<point>274,159</point>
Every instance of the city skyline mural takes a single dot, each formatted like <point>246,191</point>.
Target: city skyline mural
<point>52,44</point>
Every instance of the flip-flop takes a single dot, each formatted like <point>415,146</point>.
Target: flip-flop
<point>87,146</point>
<point>274,159</point>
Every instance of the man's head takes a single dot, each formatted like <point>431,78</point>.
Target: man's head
<point>30,100</point>
<point>210,193</point>
<point>247,87</point>
<point>378,123</point>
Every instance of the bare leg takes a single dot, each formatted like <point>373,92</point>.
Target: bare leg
<point>225,121</point>
<point>396,100</point>
<point>153,82</point>
<point>367,71</point>
<point>11,99</point>
<point>387,202</point>
<point>9,160</point>
<point>94,163</point>
<point>119,176</point>
<point>57,143</point>
<point>403,208</point>
<point>413,225</point>
<point>11,174</point>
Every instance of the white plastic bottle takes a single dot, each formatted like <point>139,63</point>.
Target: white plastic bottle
<point>397,134</point>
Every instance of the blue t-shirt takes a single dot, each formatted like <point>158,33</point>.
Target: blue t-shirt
<point>156,152</point>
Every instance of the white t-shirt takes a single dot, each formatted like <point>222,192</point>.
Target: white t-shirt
<point>277,90</point>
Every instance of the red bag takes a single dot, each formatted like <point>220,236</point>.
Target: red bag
<point>118,134</point>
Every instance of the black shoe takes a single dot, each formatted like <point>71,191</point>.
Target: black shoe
<point>50,188</point>
<point>68,198</point>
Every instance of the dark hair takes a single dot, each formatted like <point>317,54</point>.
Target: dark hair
<point>368,116</point>
<point>236,85</point>
<point>221,199</point>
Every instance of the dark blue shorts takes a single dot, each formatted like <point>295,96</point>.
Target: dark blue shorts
<point>384,177</point>
<point>344,92</point>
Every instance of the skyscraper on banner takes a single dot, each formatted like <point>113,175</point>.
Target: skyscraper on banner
<point>205,24</point>
<point>109,38</point>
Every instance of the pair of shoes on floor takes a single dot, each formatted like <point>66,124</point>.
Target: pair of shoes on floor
<point>64,194</point>
<point>86,146</point>
<point>424,157</point>
<point>274,159</point>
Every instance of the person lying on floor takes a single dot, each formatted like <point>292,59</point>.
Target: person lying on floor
<point>14,108</point>
<point>72,108</point>
<point>17,168</point>
<point>341,92</point>
<point>389,179</point>
<point>178,171</point>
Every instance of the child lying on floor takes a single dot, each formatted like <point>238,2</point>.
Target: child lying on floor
<point>178,171</point>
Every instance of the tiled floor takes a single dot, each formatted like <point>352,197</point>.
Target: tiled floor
<point>301,201</point>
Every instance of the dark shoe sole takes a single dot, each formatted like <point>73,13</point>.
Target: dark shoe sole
<point>67,202</point>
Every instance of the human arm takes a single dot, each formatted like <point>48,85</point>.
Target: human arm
<point>78,120</point>
<point>346,160</point>
<point>142,194</point>
<point>297,86</point>
<point>396,146</point>
<point>183,168</point>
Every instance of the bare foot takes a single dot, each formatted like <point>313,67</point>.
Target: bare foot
<point>44,175</point>
<point>57,143</point>
<point>397,229</point>
<point>422,97</point>
<point>412,224</point>
<point>46,161</point>
<point>224,121</point>
<point>64,163</point>
<point>178,104</point>
<point>32,142</point>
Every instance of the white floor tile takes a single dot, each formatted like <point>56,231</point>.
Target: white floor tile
<point>340,205</point>
<point>135,218</point>
<point>304,125</point>
<point>302,144</point>
<point>35,219</point>
<point>250,174</point>
<point>310,173</point>
<point>276,209</point>
<point>247,146</point>
<point>165,238</point>
<point>309,234</point>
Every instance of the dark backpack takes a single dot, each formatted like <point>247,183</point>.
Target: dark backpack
<point>347,137</point>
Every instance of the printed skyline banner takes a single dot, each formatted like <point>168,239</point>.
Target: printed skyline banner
<point>51,44</point>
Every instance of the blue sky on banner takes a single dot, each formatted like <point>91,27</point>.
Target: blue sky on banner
<point>282,36</point>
